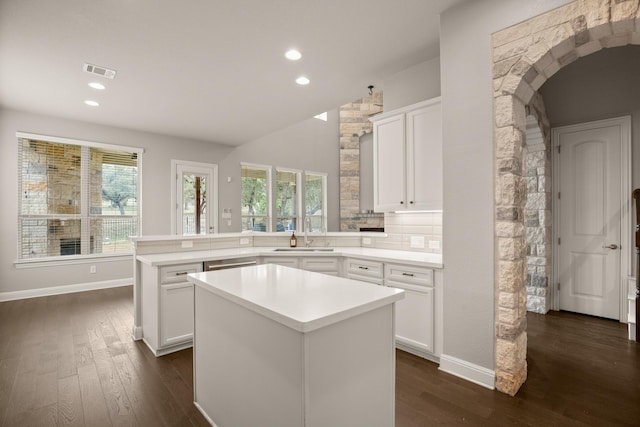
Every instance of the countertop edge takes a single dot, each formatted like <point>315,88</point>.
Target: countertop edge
<point>221,254</point>
<point>297,325</point>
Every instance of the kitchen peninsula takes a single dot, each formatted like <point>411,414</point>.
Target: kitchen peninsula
<point>280,346</point>
<point>163,297</point>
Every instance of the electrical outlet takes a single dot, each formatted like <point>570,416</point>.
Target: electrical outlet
<point>417,242</point>
<point>187,244</point>
<point>366,240</point>
<point>92,269</point>
<point>244,241</point>
<point>434,244</point>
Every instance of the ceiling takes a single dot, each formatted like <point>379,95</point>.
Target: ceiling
<point>209,70</point>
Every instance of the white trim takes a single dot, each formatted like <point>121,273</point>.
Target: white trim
<point>626,220</point>
<point>71,259</point>
<point>61,140</point>
<point>468,371</point>
<point>65,289</point>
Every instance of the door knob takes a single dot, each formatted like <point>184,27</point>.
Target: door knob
<point>613,246</point>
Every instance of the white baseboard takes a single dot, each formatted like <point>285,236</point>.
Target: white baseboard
<point>66,289</point>
<point>468,371</point>
<point>136,333</point>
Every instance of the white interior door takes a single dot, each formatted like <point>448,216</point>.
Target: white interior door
<point>590,220</point>
<point>195,198</point>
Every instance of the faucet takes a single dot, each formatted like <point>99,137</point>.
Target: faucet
<point>307,226</point>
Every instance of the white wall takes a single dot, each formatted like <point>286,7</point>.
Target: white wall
<point>602,85</point>
<point>311,145</point>
<point>465,55</point>
<point>159,150</point>
<point>415,84</point>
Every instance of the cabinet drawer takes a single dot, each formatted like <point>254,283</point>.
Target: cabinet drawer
<point>357,267</point>
<point>178,273</point>
<point>410,275</point>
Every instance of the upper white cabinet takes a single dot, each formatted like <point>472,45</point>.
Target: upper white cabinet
<point>407,146</point>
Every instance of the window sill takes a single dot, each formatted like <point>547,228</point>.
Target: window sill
<point>71,259</point>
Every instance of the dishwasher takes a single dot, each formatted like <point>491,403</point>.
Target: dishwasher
<point>223,264</point>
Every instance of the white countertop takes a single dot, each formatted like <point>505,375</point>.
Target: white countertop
<point>301,300</point>
<point>419,259</point>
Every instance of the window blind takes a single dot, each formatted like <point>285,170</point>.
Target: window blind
<point>75,198</point>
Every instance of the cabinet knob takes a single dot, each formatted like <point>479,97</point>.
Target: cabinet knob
<point>411,202</point>
<point>402,202</point>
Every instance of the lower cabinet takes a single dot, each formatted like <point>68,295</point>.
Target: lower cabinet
<point>167,307</point>
<point>176,314</point>
<point>319,264</point>
<point>415,314</point>
<point>287,261</point>
<point>325,265</point>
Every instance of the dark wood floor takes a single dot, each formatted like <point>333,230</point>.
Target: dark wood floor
<point>69,360</point>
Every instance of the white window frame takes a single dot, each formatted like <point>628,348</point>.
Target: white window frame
<point>84,216</point>
<point>211,169</point>
<point>298,200</point>
<point>269,187</point>
<point>323,220</point>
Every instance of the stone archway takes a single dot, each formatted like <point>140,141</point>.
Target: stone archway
<point>524,57</point>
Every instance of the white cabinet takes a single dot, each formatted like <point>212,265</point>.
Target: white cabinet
<point>415,314</point>
<point>407,146</point>
<point>167,310</point>
<point>366,271</point>
<point>287,261</point>
<point>321,264</point>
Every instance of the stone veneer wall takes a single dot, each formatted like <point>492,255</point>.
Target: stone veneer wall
<point>538,208</point>
<point>354,123</point>
<point>524,57</point>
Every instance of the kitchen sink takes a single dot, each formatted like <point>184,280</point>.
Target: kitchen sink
<point>303,250</point>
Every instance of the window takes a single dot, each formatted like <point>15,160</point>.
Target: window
<point>194,197</point>
<point>287,199</point>
<point>76,197</point>
<point>315,200</point>
<point>256,197</point>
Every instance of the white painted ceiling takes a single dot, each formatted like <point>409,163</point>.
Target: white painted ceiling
<point>210,70</point>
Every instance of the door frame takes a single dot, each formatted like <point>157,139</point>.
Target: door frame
<point>213,212</point>
<point>624,122</point>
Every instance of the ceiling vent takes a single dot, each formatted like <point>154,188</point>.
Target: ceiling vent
<point>100,71</point>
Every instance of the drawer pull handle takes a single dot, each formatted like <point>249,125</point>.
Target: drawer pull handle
<point>408,274</point>
<point>182,273</point>
<point>362,267</point>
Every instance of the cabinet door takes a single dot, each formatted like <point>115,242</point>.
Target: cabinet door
<point>415,317</point>
<point>389,164</point>
<point>176,313</point>
<point>424,158</point>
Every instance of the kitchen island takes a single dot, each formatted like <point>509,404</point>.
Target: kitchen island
<point>277,346</point>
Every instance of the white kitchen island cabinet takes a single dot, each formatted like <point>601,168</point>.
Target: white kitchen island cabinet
<point>276,346</point>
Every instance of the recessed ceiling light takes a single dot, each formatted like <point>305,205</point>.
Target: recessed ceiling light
<point>96,85</point>
<point>293,54</point>
<point>302,80</point>
<point>91,103</point>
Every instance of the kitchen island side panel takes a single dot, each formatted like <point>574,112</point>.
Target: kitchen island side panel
<point>248,370</point>
<point>350,372</point>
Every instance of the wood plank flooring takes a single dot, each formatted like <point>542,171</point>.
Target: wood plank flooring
<point>69,360</point>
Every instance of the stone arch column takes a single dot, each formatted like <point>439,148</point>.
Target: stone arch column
<point>524,57</point>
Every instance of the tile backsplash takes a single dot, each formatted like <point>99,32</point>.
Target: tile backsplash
<point>419,231</point>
